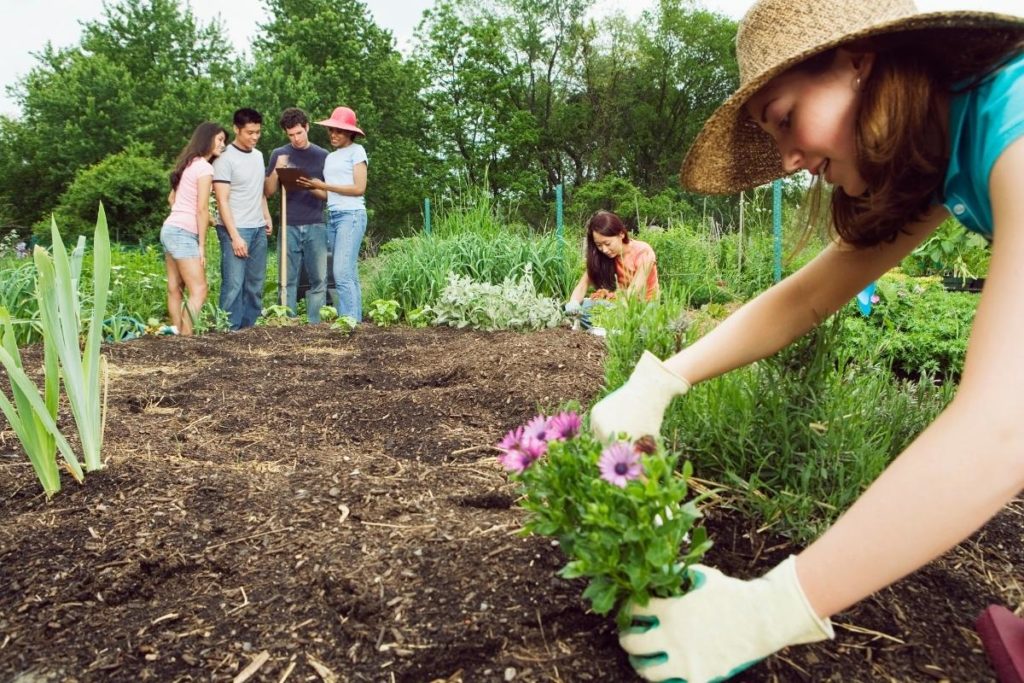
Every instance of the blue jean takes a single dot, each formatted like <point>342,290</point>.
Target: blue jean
<point>345,229</point>
<point>241,287</point>
<point>307,249</point>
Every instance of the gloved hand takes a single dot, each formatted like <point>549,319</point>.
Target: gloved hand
<point>722,626</point>
<point>573,308</point>
<point>638,406</point>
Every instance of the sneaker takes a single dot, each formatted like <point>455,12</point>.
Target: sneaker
<point>597,331</point>
<point>167,330</point>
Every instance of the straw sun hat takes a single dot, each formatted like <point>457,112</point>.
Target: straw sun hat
<point>731,153</point>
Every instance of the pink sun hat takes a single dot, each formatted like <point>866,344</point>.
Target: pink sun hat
<point>344,118</point>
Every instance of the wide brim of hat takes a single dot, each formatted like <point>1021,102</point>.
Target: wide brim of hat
<point>732,153</point>
<point>331,123</point>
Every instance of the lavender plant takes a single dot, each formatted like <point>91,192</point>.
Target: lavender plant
<point>619,511</point>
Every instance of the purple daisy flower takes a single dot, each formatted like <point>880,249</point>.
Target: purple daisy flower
<point>875,298</point>
<point>511,440</point>
<point>515,460</point>
<point>537,427</point>
<point>619,463</point>
<point>533,448</point>
<point>563,426</point>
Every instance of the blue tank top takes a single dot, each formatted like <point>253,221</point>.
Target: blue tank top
<point>983,121</point>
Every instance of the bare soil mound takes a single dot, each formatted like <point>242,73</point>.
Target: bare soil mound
<point>292,504</point>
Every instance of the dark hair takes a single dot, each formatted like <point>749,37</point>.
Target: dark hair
<point>293,116</point>
<point>600,268</point>
<point>198,146</point>
<point>902,139</point>
<point>245,116</point>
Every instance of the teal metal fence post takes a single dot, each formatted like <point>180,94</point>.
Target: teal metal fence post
<point>777,226</point>
<point>558,213</point>
<point>426,215</point>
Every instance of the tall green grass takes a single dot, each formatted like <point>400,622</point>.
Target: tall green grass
<point>799,435</point>
<point>414,270</point>
<point>138,286</point>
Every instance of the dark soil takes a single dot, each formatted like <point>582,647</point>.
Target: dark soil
<point>291,504</point>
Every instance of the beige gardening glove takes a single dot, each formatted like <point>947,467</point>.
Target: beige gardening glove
<point>722,626</point>
<point>638,406</point>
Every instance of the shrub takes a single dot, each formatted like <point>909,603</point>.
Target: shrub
<point>512,305</point>
<point>917,328</point>
<point>133,187</point>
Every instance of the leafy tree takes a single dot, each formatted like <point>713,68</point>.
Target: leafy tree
<point>147,72</point>
<point>319,54</point>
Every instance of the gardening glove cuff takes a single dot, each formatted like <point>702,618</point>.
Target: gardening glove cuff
<point>722,626</point>
<point>638,406</point>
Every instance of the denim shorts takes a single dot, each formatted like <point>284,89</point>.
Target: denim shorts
<point>179,242</point>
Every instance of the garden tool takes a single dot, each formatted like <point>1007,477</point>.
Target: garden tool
<point>864,303</point>
<point>1002,634</point>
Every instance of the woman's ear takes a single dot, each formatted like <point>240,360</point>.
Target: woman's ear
<point>859,62</point>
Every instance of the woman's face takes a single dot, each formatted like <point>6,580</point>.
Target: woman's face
<point>339,137</point>
<point>612,247</point>
<point>812,119</point>
<point>219,141</point>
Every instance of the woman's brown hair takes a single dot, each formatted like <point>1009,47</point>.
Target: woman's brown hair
<point>198,146</point>
<point>600,268</point>
<point>902,132</point>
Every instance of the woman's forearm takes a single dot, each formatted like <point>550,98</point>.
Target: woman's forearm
<point>580,290</point>
<point>949,482</point>
<point>760,328</point>
<point>347,190</point>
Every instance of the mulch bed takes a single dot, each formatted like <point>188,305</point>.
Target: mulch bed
<point>293,504</point>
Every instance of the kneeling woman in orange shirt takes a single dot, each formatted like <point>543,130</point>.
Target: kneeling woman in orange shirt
<point>615,263</point>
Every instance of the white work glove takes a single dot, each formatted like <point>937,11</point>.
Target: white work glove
<point>722,626</point>
<point>573,308</point>
<point>638,406</point>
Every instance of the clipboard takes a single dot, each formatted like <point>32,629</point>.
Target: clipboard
<point>289,177</point>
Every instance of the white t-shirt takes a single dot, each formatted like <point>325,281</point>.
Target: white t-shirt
<point>339,170</point>
<point>244,172</point>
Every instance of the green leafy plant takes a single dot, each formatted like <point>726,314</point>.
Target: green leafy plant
<point>328,314</point>
<point>619,511</point>
<point>32,416</point>
<point>60,309</point>
<point>950,251</point>
<point>419,317</point>
<point>384,312</point>
<point>212,318</point>
<point>512,305</point>
<point>277,315</point>
<point>344,324</point>
<point>916,326</point>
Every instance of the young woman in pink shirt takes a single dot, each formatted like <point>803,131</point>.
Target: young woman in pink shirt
<point>183,234</point>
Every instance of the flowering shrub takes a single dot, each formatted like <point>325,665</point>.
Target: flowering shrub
<point>618,511</point>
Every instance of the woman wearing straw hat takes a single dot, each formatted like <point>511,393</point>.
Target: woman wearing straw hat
<point>910,118</point>
<point>345,183</point>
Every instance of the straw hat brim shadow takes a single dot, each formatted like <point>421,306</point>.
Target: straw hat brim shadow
<point>731,153</point>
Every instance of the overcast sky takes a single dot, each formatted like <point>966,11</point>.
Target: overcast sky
<point>31,23</point>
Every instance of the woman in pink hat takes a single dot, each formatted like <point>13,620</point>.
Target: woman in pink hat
<point>345,183</point>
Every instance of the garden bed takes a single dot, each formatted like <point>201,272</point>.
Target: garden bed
<point>330,506</point>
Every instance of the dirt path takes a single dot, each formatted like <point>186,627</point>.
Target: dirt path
<point>330,506</point>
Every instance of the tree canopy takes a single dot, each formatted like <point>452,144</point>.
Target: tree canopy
<point>517,96</point>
